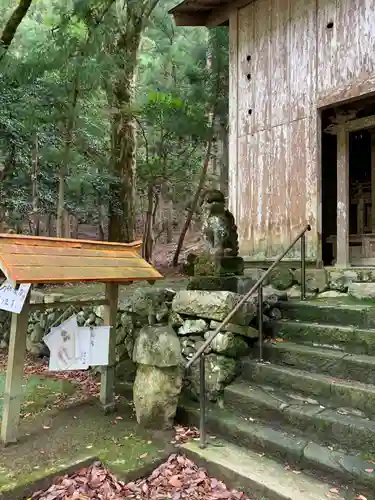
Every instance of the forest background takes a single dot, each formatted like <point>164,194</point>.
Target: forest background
<point>112,122</point>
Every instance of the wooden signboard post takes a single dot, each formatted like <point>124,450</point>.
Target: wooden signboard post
<point>40,260</point>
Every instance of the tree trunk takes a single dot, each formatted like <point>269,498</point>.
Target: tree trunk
<point>148,242</point>
<point>101,224</point>
<point>60,231</point>
<point>194,205</point>
<point>74,224</point>
<point>169,221</point>
<point>11,26</point>
<point>49,225</point>
<point>122,222</point>
<point>35,218</point>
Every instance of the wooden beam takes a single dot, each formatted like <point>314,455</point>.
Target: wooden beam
<point>373,181</point>
<point>342,198</point>
<point>353,125</point>
<point>348,93</point>
<point>221,15</point>
<point>107,387</point>
<point>42,306</point>
<point>14,375</point>
<point>190,18</point>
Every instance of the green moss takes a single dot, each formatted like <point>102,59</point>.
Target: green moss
<point>39,392</point>
<point>52,443</point>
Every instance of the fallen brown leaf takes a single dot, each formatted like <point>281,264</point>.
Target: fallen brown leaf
<point>177,479</point>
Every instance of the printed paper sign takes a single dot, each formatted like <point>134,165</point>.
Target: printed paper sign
<point>99,345</point>
<point>68,347</point>
<point>76,348</point>
<point>13,298</point>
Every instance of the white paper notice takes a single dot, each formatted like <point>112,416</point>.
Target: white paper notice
<point>69,347</point>
<point>99,345</point>
<point>12,298</point>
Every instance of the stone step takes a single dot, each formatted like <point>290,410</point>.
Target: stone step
<point>257,476</point>
<point>346,338</point>
<point>330,311</point>
<point>294,450</point>
<point>293,411</point>
<point>334,363</point>
<point>340,393</point>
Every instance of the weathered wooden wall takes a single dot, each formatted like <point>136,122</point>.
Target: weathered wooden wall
<point>285,63</point>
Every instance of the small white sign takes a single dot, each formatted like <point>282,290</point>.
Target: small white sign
<point>13,298</point>
<point>99,345</point>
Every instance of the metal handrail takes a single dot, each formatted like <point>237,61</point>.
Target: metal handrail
<point>200,354</point>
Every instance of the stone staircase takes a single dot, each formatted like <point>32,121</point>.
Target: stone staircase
<point>309,408</point>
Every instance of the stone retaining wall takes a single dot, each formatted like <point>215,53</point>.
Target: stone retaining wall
<point>332,282</point>
<point>190,315</point>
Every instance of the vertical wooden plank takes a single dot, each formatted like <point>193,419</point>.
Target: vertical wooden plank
<point>302,58</point>
<point>280,189</point>
<point>347,41</point>
<point>313,180</point>
<point>366,38</point>
<point>298,183</point>
<point>107,385</point>
<point>342,197</point>
<point>233,111</point>
<point>14,375</point>
<point>244,168</point>
<point>261,63</point>
<point>373,181</point>
<point>329,63</point>
<point>245,65</point>
<point>279,62</point>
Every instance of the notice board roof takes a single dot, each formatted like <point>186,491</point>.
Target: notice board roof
<point>32,259</point>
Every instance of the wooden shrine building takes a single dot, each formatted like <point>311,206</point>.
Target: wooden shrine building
<point>33,260</point>
<point>302,123</point>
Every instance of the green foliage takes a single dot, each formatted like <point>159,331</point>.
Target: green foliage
<point>60,41</point>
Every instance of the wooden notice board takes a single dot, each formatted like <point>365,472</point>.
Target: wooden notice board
<point>42,260</point>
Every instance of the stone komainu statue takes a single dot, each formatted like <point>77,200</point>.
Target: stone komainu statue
<point>219,228</point>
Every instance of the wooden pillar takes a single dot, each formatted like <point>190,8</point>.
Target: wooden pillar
<point>372,132</point>
<point>342,197</point>
<point>107,386</point>
<point>14,375</point>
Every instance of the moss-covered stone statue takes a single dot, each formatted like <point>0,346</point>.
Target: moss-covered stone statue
<point>219,228</point>
<point>218,265</point>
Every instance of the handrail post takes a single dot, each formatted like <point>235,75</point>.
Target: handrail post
<point>202,399</point>
<point>260,321</point>
<point>303,266</point>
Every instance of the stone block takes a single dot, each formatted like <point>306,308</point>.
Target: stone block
<point>255,273</point>
<point>281,278</point>
<point>316,279</point>
<point>155,393</point>
<point>235,284</point>
<point>340,279</point>
<point>362,291</point>
<point>228,344</point>
<point>213,305</point>
<point>245,331</point>
<point>157,346</point>
<point>220,371</point>
<point>191,326</point>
